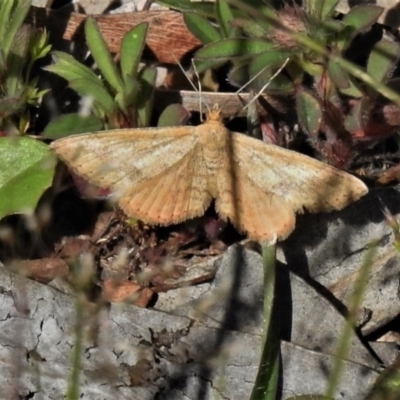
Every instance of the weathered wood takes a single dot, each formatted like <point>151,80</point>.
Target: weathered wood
<point>168,39</point>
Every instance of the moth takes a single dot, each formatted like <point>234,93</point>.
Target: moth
<point>168,175</point>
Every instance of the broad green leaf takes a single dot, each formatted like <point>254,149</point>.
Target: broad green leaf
<point>357,20</point>
<point>344,37</point>
<point>14,22</point>
<point>26,171</point>
<point>201,27</point>
<point>362,17</point>
<point>228,48</point>
<point>269,59</point>
<point>224,16</point>
<point>130,95</point>
<point>71,124</point>
<point>206,9</point>
<point>96,91</point>
<point>332,26</point>
<point>239,75</point>
<point>131,92</point>
<point>320,9</point>
<point>382,59</point>
<point>132,48</point>
<point>309,111</point>
<point>251,27</point>
<point>338,75</point>
<point>355,118</point>
<point>173,115</point>
<point>15,77</point>
<point>204,65</point>
<point>354,89</point>
<point>102,55</point>
<point>327,8</point>
<point>147,79</point>
<point>6,7</point>
<point>279,84</point>
<point>263,68</point>
<point>69,68</point>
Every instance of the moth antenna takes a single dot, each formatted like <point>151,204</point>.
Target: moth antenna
<point>264,87</point>
<point>199,91</point>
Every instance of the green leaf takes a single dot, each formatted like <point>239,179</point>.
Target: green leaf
<point>260,74</point>
<point>71,124</point>
<point>147,79</point>
<point>239,75</point>
<point>361,18</point>
<point>338,75</point>
<point>382,59</point>
<point>15,79</point>
<point>224,17</point>
<point>131,92</point>
<point>353,90</point>
<point>102,56</point>
<point>14,21</point>
<point>358,19</point>
<point>132,48</point>
<point>263,68</point>
<point>201,27</point>
<point>204,65</point>
<point>206,9</point>
<point>96,91</point>
<point>327,8</point>
<point>6,7</point>
<point>173,115</point>
<point>332,26</point>
<point>26,171</point>
<point>39,46</point>
<point>320,9</point>
<point>227,48</point>
<point>251,27</point>
<point>70,69</point>
<point>269,59</point>
<point>309,111</point>
<point>356,117</point>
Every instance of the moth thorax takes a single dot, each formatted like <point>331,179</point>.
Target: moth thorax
<point>215,142</point>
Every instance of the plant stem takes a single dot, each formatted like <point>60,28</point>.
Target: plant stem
<point>266,382</point>
<point>73,386</point>
<point>348,331</point>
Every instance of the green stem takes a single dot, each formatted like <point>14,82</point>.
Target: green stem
<point>73,386</point>
<point>348,331</point>
<point>266,382</point>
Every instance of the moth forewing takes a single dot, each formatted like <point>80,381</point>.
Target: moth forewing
<point>298,179</point>
<point>168,175</point>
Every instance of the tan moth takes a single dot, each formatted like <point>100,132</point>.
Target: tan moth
<point>168,175</point>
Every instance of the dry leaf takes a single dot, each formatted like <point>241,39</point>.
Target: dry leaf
<point>115,292</point>
<point>42,270</point>
<point>168,175</point>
